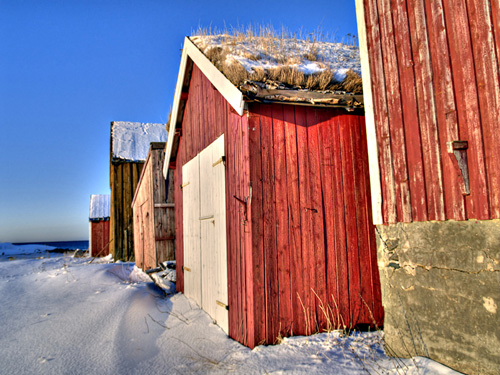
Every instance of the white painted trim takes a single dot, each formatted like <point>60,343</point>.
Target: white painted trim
<point>175,111</point>
<point>371,135</point>
<point>230,92</point>
<point>233,96</point>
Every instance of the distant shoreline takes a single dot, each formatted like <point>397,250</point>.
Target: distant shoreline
<point>69,245</point>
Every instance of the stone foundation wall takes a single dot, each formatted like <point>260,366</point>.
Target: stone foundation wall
<point>441,292</point>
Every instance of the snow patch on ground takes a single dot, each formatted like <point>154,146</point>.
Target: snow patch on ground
<point>65,315</point>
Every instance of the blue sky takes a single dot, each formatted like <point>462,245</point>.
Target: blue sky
<point>68,68</point>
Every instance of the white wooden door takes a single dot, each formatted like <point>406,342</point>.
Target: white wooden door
<point>191,229</point>
<point>213,232</point>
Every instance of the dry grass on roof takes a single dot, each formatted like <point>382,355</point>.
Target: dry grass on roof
<point>287,52</point>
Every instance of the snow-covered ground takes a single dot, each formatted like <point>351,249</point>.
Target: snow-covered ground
<point>64,315</point>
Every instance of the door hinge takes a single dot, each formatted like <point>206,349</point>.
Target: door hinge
<point>221,304</point>
<point>222,159</point>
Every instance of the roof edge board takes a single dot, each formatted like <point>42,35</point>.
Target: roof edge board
<point>175,110</point>
<point>371,133</point>
<point>232,94</point>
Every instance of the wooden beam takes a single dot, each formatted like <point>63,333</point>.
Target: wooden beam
<point>371,134</point>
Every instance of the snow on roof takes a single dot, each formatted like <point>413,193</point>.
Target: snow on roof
<point>99,206</point>
<point>131,140</point>
<point>270,52</point>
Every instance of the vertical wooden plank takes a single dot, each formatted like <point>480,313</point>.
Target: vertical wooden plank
<point>294,223</point>
<point>427,111</point>
<point>342,296</point>
<point>281,207</point>
<point>371,132</point>
<point>203,130</point>
<point>247,239</point>
<point>411,114</point>
<point>316,217</point>
<point>231,239</point>
<point>95,247</point>
<point>305,295</point>
<point>487,68</point>
<point>403,205</point>
<point>327,129</point>
<point>127,199</point>
<point>495,12</point>
<point>369,249</point>
<point>381,112</point>
<point>361,196</point>
<point>112,217</point>
<point>137,228</point>
<point>257,224</point>
<point>106,238</point>
<point>349,186</point>
<point>445,104</point>
<point>220,216</point>
<point>492,150</point>
<point>191,230</point>
<point>241,225</point>
<point>194,138</point>
<point>186,131</point>
<point>119,213</point>
<point>465,84</point>
<point>170,216</point>
<point>240,273</point>
<point>268,199</point>
<point>179,230</point>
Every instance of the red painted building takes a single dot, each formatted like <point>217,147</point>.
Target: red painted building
<point>432,97</point>
<point>290,223</point>
<point>99,225</point>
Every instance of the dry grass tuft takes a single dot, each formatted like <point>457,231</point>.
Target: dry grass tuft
<point>281,46</point>
<point>235,72</point>
<point>258,74</point>
<point>352,83</point>
<point>287,75</point>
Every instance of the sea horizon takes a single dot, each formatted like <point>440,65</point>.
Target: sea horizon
<point>72,245</point>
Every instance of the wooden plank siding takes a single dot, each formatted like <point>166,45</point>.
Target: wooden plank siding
<point>300,244</point>
<point>435,79</point>
<point>319,257</point>
<point>124,179</point>
<point>100,238</point>
<point>153,212</point>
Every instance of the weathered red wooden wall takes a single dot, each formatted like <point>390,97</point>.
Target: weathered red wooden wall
<point>207,115</point>
<point>301,252</point>
<point>100,238</point>
<point>314,256</point>
<point>435,79</point>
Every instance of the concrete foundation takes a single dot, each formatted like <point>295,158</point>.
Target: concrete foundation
<point>441,292</point>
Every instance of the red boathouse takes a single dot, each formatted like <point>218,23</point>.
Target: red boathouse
<point>273,217</point>
<point>99,225</point>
